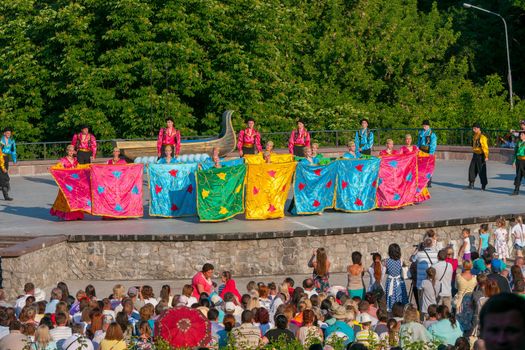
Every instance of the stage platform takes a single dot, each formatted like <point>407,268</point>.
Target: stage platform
<point>28,215</point>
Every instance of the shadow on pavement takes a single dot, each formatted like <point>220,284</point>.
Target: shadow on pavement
<point>41,180</point>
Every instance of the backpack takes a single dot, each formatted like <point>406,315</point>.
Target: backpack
<point>472,240</point>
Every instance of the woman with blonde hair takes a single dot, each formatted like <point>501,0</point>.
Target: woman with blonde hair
<point>466,282</point>
<point>321,273</point>
<point>43,339</point>
<point>352,153</point>
<point>412,330</point>
<point>389,150</point>
<point>408,147</point>
<point>269,146</point>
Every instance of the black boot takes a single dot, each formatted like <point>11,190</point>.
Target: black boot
<point>6,194</point>
<point>470,186</point>
<point>516,191</point>
<point>484,187</point>
<point>429,185</point>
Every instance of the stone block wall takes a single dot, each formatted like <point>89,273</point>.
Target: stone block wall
<point>143,259</point>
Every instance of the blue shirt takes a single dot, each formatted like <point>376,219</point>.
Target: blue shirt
<point>51,306</point>
<point>8,146</point>
<point>339,326</point>
<point>422,140</point>
<point>348,155</point>
<point>364,139</point>
<point>443,331</point>
<point>163,161</point>
<point>307,162</point>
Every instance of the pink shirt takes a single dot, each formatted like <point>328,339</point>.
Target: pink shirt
<point>199,279</point>
<point>249,136</point>
<point>67,164</point>
<point>120,161</point>
<point>384,153</point>
<point>85,142</point>
<point>405,150</point>
<point>169,137</point>
<point>298,138</point>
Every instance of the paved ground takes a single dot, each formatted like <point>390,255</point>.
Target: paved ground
<point>29,215</point>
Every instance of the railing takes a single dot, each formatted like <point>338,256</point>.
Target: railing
<point>325,138</point>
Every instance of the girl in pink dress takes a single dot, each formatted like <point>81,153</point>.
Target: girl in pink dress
<point>408,147</point>
<point>60,208</point>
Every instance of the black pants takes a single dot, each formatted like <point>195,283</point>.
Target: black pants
<point>298,151</point>
<point>83,157</point>
<point>520,172</point>
<point>248,150</point>
<point>6,161</point>
<point>366,152</point>
<point>478,166</point>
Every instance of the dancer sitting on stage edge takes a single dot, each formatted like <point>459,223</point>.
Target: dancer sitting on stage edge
<point>60,208</point>
<point>480,155</point>
<point>167,157</point>
<point>408,147</point>
<point>116,158</point>
<point>85,145</point>
<point>352,151</point>
<point>168,136</point>
<point>249,140</point>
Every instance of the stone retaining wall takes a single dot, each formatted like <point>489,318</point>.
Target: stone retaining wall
<point>138,260</point>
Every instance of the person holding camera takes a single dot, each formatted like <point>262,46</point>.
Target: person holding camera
<point>423,258</point>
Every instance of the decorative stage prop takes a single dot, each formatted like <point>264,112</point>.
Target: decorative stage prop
<point>103,190</point>
<point>356,189</point>
<point>172,190</point>
<point>267,187</point>
<point>74,189</point>
<point>117,190</point>
<point>247,185</point>
<point>220,192</point>
<point>397,183</point>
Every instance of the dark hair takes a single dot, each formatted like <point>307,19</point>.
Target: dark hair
<point>61,318</point>
<point>247,316</point>
<point>442,254</point>
<point>501,303</point>
<point>398,310</point>
<point>250,120</point>
<point>169,119</point>
<point>281,322</point>
<point>213,314</point>
<point>262,316</point>
<point>65,291</point>
<point>519,286</point>
<point>15,325</point>
<point>462,343</point>
<point>122,320</point>
<point>207,267</point>
<point>394,251</point>
<point>356,258</point>
<point>364,119</point>
<point>432,310</point>
<point>165,292</point>
<point>484,227</point>
<point>308,283</point>
<point>290,281</point>
<point>227,275</point>
<point>147,292</point>
<point>444,312</point>
<point>466,229</point>
<point>28,287</point>
<point>382,315</point>
<point>90,291</point>
<point>228,322</point>
<point>314,299</point>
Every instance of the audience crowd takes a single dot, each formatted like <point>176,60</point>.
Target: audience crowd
<point>437,298</point>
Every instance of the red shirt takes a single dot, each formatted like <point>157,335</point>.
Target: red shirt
<point>85,143</point>
<point>405,150</point>
<point>199,279</point>
<point>67,164</point>
<point>249,136</point>
<point>169,136</point>
<point>384,153</point>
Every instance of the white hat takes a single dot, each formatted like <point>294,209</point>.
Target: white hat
<point>229,306</point>
<point>364,318</point>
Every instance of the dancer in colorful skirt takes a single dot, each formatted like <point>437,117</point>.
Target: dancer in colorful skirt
<point>364,138</point>
<point>85,145</point>
<point>249,140</point>
<point>116,158</point>
<point>61,208</point>
<point>299,139</point>
<point>308,159</point>
<point>168,136</point>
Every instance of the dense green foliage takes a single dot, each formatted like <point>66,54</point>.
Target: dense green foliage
<point>122,65</point>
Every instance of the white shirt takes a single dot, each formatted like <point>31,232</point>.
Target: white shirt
<point>444,275</point>
<point>73,343</point>
<point>309,293</point>
<point>20,303</point>
<point>60,332</point>
<point>3,331</point>
<point>518,234</point>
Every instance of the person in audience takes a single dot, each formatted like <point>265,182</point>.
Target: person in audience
<point>280,332</point>
<point>446,329</point>
<point>77,340</point>
<point>412,330</point>
<point>444,274</point>
<point>366,335</point>
<point>114,339</point>
<point>247,335</point>
<point>355,274</point>
<point>391,337</point>
<point>43,339</point>
<point>501,237</point>
<point>395,284</point>
<point>309,333</point>
<point>321,269</point>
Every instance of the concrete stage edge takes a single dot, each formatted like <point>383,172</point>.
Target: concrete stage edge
<point>152,248</point>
